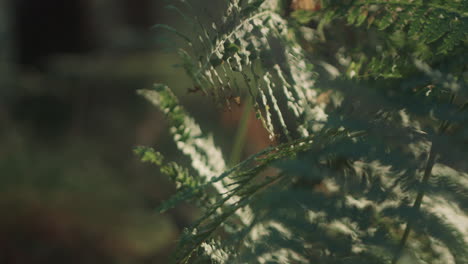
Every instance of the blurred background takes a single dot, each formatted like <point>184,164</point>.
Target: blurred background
<point>71,190</point>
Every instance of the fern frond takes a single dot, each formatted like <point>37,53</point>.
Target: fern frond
<point>428,21</point>
<point>361,183</point>
<point>438,225</point>
<point>206,158</point>
<point>187,185</point>
<point>404,30</point>
<point>246,186</point>
<point>237,49</point>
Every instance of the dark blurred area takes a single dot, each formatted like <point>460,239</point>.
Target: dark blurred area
<point>71,190</point>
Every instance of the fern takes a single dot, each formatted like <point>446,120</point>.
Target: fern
<point>426,21</point>
<point>253,47</point>
<point>418,29</point>
<point>371,170</point>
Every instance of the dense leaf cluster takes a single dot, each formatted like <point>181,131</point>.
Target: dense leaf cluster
<point>372,169</point>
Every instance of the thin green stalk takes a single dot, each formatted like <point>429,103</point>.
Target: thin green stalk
<point>241,134</point>
<point>427,174</point>
<point>417,203</point>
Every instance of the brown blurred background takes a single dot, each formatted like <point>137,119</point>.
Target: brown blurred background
<point>71,190</point>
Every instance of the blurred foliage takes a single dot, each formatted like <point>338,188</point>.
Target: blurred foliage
<point>71,190</point>
<point>59,207</point>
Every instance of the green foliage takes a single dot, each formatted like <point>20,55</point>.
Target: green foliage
<point>373,136</point>
<point>302,16</point>
<point>425,21</point>
<point>428,30</point>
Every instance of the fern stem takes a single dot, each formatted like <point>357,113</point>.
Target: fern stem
<point>417,203</point>
<point>241,134</point>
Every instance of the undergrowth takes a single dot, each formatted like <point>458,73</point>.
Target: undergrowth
<point>366,102</point>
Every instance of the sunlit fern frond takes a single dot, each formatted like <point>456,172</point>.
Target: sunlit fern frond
<point>377,178</point>
<point>206,158</point>
<point>252,52</point>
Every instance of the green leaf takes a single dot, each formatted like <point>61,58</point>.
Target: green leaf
<point>362,17</point>
<point>353,15</point>
<point>385,21</point>
<point>417,23</point>
<point>303,16</point>
<point>231,49</point>
<point>215,61</point>
<point>252,7</point>
<point>453,38</point>
<point>147,154</point>
<point>435,29</point>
